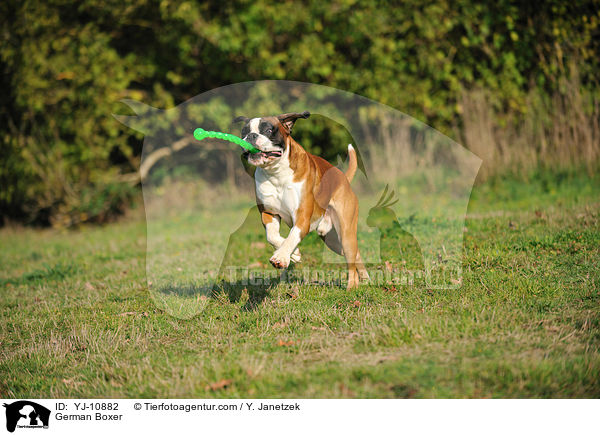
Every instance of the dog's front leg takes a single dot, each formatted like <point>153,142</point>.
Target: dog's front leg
<point>272,226</point>
<point>283,254</point>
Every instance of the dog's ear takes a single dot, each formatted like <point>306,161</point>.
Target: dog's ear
<point>289,119</point>
<point>240,119</point>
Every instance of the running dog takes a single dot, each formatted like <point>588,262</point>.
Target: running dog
<point>303,190</point>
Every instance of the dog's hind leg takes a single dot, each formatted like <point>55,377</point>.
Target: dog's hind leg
<point>333,242</point>
<point>360,266</point>
<point>346,225</point>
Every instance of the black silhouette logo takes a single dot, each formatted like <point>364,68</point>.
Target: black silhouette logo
<point>26,414</point>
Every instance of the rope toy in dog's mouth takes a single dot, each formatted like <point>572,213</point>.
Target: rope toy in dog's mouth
<point>200,134</point>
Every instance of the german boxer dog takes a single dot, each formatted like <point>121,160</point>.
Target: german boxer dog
<point>303,190</point>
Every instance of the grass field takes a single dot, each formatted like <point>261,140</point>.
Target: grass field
<point>77,318</point>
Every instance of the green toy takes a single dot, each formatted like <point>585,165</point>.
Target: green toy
<point>200,134</point>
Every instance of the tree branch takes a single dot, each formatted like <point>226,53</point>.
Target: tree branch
<point>161,153</point>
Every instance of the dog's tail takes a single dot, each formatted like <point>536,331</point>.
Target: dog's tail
<point>352,164</point>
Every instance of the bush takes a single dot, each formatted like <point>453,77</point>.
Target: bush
<point>64,68</point>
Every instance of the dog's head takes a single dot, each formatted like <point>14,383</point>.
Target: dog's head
<point>270,135</point>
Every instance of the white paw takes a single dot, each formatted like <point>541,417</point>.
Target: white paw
<point>296,257</point>
<point>280,260</point>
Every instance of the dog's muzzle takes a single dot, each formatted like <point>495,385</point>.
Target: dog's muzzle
<point>263,157</point>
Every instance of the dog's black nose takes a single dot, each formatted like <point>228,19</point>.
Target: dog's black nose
<point>251,138</point>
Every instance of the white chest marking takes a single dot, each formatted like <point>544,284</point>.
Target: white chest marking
<point>277,191</point>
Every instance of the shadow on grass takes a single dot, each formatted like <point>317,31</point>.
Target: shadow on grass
<point>233,291</point>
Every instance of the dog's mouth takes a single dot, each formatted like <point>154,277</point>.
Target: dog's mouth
<point>262,156</point>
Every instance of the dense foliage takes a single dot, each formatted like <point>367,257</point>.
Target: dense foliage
<point>64,67</point>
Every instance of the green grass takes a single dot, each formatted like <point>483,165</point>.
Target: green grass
<point>77,318</point>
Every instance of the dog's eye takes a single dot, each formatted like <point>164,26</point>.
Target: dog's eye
<point>269,130</point>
